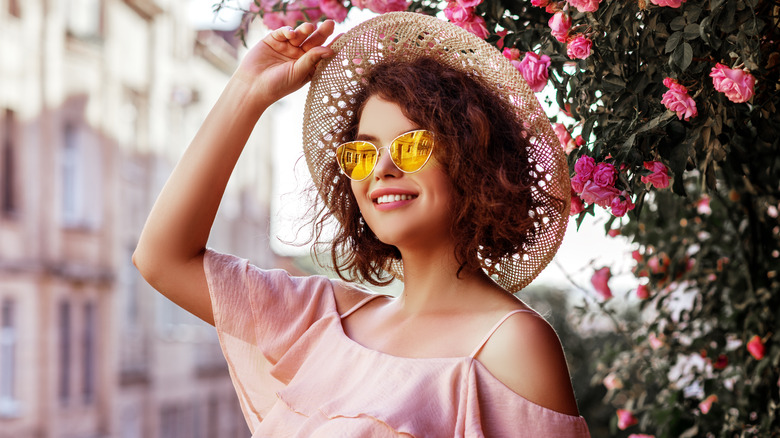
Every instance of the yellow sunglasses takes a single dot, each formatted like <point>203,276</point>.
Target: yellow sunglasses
<point>409,152</point>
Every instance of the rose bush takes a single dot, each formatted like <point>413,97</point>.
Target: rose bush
<point>696,162</point>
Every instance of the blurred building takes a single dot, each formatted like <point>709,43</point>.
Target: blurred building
<point>98,99</point>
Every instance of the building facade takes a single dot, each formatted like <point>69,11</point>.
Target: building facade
<point>98,99</point>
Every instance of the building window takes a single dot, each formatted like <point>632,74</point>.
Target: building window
<point>72,176</point>
<point>88,351</point>
<point>8,184</point>
<point>81,168</point>
<point>9,405</point>
<point>65,352</point>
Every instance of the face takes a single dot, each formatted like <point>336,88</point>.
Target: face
<point>402,209</point>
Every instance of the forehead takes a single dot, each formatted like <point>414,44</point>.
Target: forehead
<point>383,120</point>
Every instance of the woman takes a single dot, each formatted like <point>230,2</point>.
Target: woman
<point>435,159</point>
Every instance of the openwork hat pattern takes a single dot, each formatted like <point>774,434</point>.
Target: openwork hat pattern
<point>402,36</point>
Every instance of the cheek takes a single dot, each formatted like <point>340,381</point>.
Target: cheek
<point>359,189</point>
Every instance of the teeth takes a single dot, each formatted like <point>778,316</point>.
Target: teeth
<point>392,198</point>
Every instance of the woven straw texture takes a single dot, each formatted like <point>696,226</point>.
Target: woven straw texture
<point>331,106</point>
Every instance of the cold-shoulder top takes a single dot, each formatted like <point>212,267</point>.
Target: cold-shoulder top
<point>297,373</point>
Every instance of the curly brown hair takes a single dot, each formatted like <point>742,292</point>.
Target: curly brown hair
<point>483,149</point>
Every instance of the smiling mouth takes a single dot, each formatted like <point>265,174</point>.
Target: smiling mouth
<point>386,199</point>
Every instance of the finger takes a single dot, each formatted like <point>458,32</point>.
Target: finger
<point>305,65</point>
<point>319,36</point>
<point>302,33</point>
<point>283,34</point>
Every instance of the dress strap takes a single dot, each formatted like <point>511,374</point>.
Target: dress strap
<point>495,327</point>
<point>360,304</point>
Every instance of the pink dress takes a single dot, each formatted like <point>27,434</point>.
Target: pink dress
<point>297,374</point>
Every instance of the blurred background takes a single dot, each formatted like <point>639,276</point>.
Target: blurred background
<point>98,99</point>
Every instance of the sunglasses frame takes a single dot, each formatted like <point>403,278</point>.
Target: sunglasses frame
<point>377,148</point>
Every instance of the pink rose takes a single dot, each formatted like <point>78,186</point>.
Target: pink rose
<point>560,23</point>
<point>293,14</point>
<point>577,184</point>
<point>706,404</point>
<point>576,205</point>
<point>659,177</point>
<point>678,100</point>
<point>621,204</point>
<point>585,5</point>
<point>563,134</point>
<point>658,263</point>
<point>612,382</point>
<point>721,362</point>
<point>605,175</point>
<point>756,347</point>
<point>579,47</point>
<point>642,292</point>
<point>457,13</point>
<point>655,341</point>
<point>625,419</point>
<point>382,6</point>
<point>584,167</point>
<point>511,54</point>
<point>668,3</point>
<point>534,70</point>
<point>703,205</point>
<point>593,193</point>
<point>465,18</point>
<point>334,9</point>
<point>600,280</point>
<point>736,84</point>
<point>468,3</point>
<point>540,3</point>
<point>475,25</point>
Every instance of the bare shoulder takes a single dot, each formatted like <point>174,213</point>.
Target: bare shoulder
<point>348,295</point>
<point>526,355</point>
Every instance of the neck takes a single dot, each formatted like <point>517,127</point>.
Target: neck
<point>432,283</point>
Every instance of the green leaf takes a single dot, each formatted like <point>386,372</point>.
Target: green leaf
<point>673,42</point>
<point>683,56</point>
<point>691,31</point>
<point>587,127</point>
<point>678,23</point>
<point>752,27</point>
<point>715,4</point>
<point>692,13</point>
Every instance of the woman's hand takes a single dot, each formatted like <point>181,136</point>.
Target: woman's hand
<point>283,61</point>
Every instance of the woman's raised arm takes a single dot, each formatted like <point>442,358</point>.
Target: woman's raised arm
<point>170,251</point>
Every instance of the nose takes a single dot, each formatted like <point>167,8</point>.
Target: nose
<point>385,168</point>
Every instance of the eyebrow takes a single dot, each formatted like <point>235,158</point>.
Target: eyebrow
<point>369,137</point>
<point>365,137</point>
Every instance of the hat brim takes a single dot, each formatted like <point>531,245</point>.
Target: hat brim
<point>331,106</point>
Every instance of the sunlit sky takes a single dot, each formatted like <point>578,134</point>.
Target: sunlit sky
<point>582,250</point>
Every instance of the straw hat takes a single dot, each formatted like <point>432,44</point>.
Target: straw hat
<point>331,107</point>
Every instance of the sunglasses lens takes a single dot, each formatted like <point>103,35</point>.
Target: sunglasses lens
<point>356,159</point>
<point>412,150</point>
